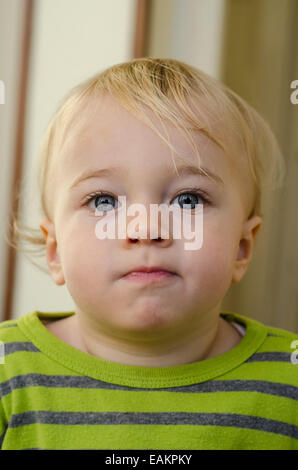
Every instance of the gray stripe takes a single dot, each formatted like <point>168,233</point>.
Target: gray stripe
<point>2,438</point>
<point>174,418</point>
<point>17,346</point>
<point>261,386</point>
<point>270,357</point>
<point>69,381</point>
<point>10,325</point>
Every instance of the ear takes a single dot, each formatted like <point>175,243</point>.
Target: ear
<point>52,254</point>
<point>246,244</point>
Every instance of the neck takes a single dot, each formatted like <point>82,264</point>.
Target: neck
<point>208,340</point>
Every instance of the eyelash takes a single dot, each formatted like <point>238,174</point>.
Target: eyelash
<point>196,192</point>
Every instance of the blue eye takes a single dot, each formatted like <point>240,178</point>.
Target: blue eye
<point>102,202</point>
<point>190,200</point>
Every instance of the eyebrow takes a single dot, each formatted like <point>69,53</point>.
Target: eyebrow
<point>103,172</point>
<point>183,170</point>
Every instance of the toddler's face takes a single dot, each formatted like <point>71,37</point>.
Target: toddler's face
<point>141,169</point>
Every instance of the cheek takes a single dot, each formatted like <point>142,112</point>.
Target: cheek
<point>210,268</point>
<point>84,259</point>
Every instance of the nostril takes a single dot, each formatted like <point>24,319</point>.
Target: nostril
<point>135,240</point>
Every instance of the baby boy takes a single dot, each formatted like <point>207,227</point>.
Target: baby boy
<point>147,359</point>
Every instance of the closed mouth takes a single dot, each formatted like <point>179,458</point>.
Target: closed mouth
<point>149,269</point>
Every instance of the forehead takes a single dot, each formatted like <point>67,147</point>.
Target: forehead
<point>105,132</point>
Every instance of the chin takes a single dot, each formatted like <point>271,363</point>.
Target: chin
<point>149,321</point>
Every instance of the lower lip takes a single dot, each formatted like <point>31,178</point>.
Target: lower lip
<point>140,276</point>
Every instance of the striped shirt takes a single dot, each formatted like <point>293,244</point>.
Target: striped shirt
<point>54,396</point>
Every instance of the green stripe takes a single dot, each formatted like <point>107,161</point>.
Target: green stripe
<point>247,403</point>
<point>144,437</point>
<point>280,372</point>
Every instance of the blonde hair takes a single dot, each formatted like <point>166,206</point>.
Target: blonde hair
<point>177,93</point>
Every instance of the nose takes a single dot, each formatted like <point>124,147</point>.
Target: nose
<point>145,229</point>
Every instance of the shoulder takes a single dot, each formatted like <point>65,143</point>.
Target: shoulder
<point>275,359</point>
<point>13,343</point>
<point>280,334</point>
<point>11,332</point>
<point>278,339</point>
<point>281,349</point>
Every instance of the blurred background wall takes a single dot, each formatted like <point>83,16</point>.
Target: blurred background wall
<point>259,61</point>
<point>251,45</point>
<point>12,34</point>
